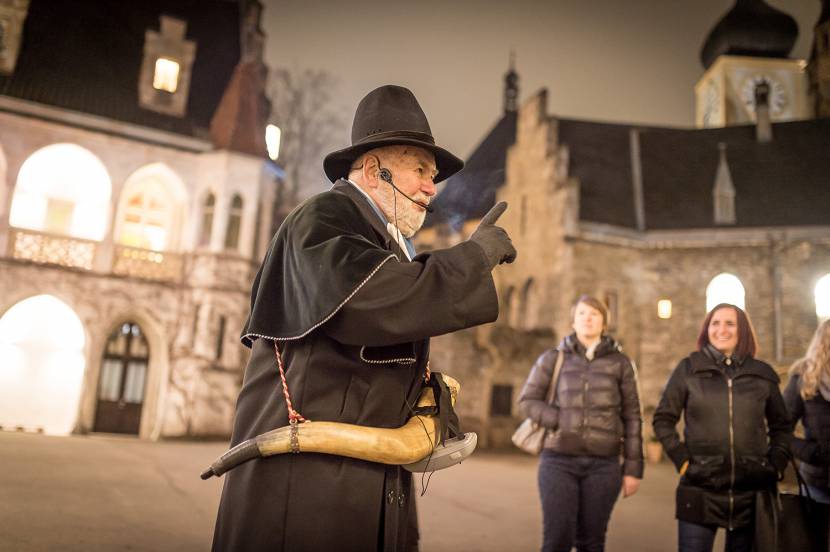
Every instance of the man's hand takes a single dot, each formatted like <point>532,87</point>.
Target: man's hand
<point>494,239</point>
<point>630,485</point>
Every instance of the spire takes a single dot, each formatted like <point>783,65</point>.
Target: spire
<point>724,191</point>
<point>750,28</point>
<point>511,86</point>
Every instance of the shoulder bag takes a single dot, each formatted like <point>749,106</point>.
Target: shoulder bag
<point>530,436</point>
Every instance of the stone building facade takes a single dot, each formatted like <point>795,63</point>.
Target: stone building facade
<point>638,217</point>
<point>130,207</point>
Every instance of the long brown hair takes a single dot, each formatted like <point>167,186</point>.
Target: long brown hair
<point>747,343</point>
<point>816,362</point>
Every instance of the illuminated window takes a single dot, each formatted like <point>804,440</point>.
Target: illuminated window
<point>63,189</point>
<point>148,215</point>
<point>234,222</point>
<point>664,308</point>
<point>725,288</point>
<point>273,135</point>
<point>207,219</point>
<point>822,292</point>
<point>166,76</point>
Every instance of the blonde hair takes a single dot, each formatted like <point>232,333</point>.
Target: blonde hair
<point>816,363</point>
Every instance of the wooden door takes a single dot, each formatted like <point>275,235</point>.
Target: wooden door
<point>122,381</point>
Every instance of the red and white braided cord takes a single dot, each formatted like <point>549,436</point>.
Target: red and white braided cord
<point>293,415</point>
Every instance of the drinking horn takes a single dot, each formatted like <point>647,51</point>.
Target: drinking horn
<point>413,441</point>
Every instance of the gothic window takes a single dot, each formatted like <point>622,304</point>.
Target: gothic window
<point>501,400</point>
<point>529,306</point>
<point>220,337</point>
<point>822,293</point>
<point>234,222</point>
<point>207,219</point>
<point>725,288</point>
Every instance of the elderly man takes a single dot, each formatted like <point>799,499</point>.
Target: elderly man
<point>344,305</point>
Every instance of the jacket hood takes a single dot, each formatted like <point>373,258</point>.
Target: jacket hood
<point>606,346</point>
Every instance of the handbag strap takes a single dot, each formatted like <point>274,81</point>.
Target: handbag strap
<point>554,379</point>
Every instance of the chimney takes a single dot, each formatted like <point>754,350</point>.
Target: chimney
<point>724,191</point>
<point>763,124</point>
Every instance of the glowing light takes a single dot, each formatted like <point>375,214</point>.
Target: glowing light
<point>664,308</point>
<point>42,347</point>
<point>822,292</point>
<point>74,181</point>
<point>272,141</point>
<point>166,76</point>
<point>725,288</point>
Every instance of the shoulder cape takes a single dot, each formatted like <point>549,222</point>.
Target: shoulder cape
<point>323,253</point>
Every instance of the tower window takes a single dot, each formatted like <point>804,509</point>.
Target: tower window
<point>166,77</point>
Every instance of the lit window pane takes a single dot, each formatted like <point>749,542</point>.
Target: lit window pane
<point>134,386</point>
<point>110,380</point>
<point>822,292</point>
<point>166,76</point>
<point>273,135</point>
<point>664,308</point>
<point>725,288</point>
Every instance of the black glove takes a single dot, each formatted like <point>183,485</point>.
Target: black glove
<point>494,239</point>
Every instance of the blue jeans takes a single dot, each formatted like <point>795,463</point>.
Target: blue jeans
<point>578,494</point>
<point>693,537</point>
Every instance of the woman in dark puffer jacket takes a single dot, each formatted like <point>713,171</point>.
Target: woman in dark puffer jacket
<point>595,417</point>
<point>736,437</point>
<point>807,397</point>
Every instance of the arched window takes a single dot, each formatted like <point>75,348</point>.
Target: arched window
<point>507,305</point>
<point>42,369</point>
<point>529,306</point>
<point>207,219</point>
<point>822,293</point>
<point>122,381</point>
<point>62,189</point>
<point>725,288</point>
<point>150,209</point>
<point>234,222</point>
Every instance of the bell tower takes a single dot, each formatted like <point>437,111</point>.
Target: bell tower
<point>750,46</point>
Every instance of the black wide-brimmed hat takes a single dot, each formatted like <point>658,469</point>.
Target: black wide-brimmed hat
<point>389,116</point>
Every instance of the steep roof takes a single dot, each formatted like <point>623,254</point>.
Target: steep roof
<point>471,192</point>
<point>62,39</point>
<point>785,182</point>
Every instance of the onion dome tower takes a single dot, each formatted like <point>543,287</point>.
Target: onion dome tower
<point>750,28</point>
<point>748,48</point>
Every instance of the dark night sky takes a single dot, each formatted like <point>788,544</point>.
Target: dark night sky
<point>613,60</point>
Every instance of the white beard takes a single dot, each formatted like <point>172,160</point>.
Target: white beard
<point>409,217</point>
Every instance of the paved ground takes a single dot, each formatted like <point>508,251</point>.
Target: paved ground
<point>110,493</point>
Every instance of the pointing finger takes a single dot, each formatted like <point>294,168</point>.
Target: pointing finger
<point>493,214</point>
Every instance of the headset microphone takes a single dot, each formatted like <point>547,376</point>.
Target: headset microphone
<point>386,176</point>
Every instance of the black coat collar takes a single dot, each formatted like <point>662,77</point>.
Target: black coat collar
<point>704,362</point>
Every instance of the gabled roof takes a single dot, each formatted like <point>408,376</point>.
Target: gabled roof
<point>86,55</point>
<point>471,192</point>
<point>785,182</point>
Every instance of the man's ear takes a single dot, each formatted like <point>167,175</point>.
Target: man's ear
<point>370,171</point>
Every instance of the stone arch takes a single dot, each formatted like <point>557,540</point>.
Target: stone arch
<point>725,288</point>
<point>62,189</point>
<point>43,343</point>
<point>151,209</point>
<point>158,370</point>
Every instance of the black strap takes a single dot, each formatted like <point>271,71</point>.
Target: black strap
<point>446,413</point>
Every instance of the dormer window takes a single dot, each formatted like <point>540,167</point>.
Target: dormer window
<point>166,77</point>
<point>164,81</point>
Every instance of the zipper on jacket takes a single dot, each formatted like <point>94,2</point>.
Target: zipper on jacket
<point>731,454</point>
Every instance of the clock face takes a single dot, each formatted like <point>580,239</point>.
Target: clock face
<point>711,105</point>
<point>777,94</point>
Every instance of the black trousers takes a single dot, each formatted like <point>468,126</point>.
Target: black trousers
<point>578,494</point>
